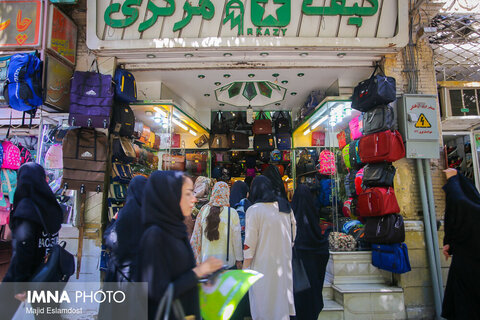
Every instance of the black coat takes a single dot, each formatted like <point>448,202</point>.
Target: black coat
<point>462,293</point>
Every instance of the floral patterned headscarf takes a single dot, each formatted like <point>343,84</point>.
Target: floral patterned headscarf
<point>220,195</point>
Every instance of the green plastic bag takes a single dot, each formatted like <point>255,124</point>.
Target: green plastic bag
<point>218,300</point>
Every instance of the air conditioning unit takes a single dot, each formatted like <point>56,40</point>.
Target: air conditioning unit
<point>460,105</point>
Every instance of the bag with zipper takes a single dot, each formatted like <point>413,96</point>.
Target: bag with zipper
<point>173,162</point>
<point>25,154</point>
<point>91,99</point>
<point>54,157</point>
<point>84,160</point>
<point>346,156</point>
<point>359,186</point>
<point>325,192</point>
<point>138,129</point>
<point>342,140</point>
<point>219,124</point>
<point>381,146</point>
<point>125,86</point>
<point>117,193</point>
<point>156,144</point>
<point>355,161</point>
<point>238,140</point>
<point>376,90</point>
<point>4,62</point>
<point>377,201</point>
<point>176,140</point>
<point>262,124</point>
<point>151,140</point>
<point>379,175</point>
<point>123,150</point>
<point>122,114</point>
<point>11,156</point>
<point>282,123</point>
<point>145,135</point>
<point>284,141</point>
<point>264,142</point>
<point>5,232</point>
<point>327,163</point>
<point>380,118</point>
<point>121,173</point>
<point>385,229</point>
<point>391,257</point>
<point>9,184</point>
<point>356,127</point>
<point>23,86</point>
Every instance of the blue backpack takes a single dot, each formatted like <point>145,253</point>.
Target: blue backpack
<point>391,257</point>
<point>325,192</point>
<point>23,88</point>
<point>125,86</point>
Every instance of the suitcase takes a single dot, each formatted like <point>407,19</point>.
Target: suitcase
<point>377,201</point>
<point>379,175</point>
<point>381,118</point>
<point>385,230</point>
<point>381,146</point>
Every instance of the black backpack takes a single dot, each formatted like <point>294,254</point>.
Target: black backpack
<point>123,115</point>
<point>282,123</point>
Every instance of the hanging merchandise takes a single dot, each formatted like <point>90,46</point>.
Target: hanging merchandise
<point>9,184</point>
<point>5,232</point>
<point>262,124</point>
<point>275,156</point>
<point>145,135</point>
<point>379,175</point>
<point>381,146</point>
<point>286,155</point>
<point>263,142</point>
<point>123,115</point>
<point>4,62</point>
<point>325,192</point>
<point>318,139</point>
<point>238,140</point>
<point>340,241</point>
<point>117,193</point>
<point>377,201</point>
<point>1,155</point>
<point>219,124</point>
<point>350,184</point>
<point>176,140</point>
<point>359,186</point>
<point>11,156</point>
<point>156,144</point>
<point>282,123</point>
<point>201,141</point>
<point>151,140</point>
<point>84,160</point>
<point>284,141</point>
<point>342,140</point>
<point>125,86</point>
<point>23,87</point>
<point>391,257</point>
<point>241,124</point>
<point>387,229</point>
<point>91,99</point>
<point>54,157</point>
<point>196,163</point>
<point>121,173</point>
<point>138,129</point>
<point>219,141</point>
<point>173,162</point>
<point>122,149</point>
<point>356,127</point>
<point>327,163</point>
<point>25,154</point>
<point>376,90</point>
<point>381,118</point>
<point>355,161</point>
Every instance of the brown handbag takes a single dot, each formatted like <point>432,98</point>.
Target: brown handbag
<point>172,162</point>
<point>156,144</point>
<point>262,124</point>
<point>201,141</point>
<point>219,142</point>
<point>84,160</point>
<point>196,156</point>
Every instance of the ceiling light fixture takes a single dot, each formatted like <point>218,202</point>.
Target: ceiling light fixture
<point>251,75</point>
<point>227,54</point>
<point>264,54</point>
<point>193,133</point>
<point>303,54</point>
<point>218,83</point>
<point>316,124</point>
<point>149,113</point>
<point>293,93</point>
<point>226,75</point>
<point>161,111</point>
<point>275,75</point>
<point>201,76</point>
<point>188,55</point>
<point>178,123</point>
<point>284,81</point>
<point>341,54</point>
<point>306,132</point>
<point>151,56</point>
<point>207,94</point>
<point>300,74</point>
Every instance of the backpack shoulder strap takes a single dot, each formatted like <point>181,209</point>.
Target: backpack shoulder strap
<point>228,234</point>
<point>37,210</point>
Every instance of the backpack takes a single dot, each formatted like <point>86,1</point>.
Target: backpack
<point>23,87</point>
<point>11,156</point>
<point>282,123</point>
<point>9,183</point>
<point>356,127</point>
<point>4,62</point>
<point>325,192</point>
<point>359,181</point>
<point>25,155</point>
<point>54,157</point>
<point>125,86</point>
<point>346,156</point>
<point>355,161</point>
<point>123,116</point>
<point>327,163</point>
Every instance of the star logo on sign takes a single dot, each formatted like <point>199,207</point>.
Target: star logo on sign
<point>271,13</point>
<point>269,7</point>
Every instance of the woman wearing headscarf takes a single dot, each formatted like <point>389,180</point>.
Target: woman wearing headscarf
<point>273,174</point>
<point>269,236</point>
<point>239,201</point>
<point>462,243</point>
<point>214,233</point>
<point>165,255</point>
<point>33,202</point>
<point>312,248</point>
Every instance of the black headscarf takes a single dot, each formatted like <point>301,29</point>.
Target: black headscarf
<point>128,228</point>
<point>239,191</point>
<point>468,188</point>
<point>262,190</point>
<point>32,186</point>
<point>161,203</point>
<point>273,174</point>
<point>309,233</point>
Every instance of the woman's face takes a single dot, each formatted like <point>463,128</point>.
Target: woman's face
<point>187,202</point>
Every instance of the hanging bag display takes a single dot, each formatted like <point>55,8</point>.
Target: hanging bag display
<point>355,160</point>
<point>219,124</point>
<point>282,123</point>
<point>238,140</point>
<point>391,257</point>
<point>122,147</point>
<point>123,115</point>
<point>125,86</point>
<point>379,175</point>
<point>284,141</point>
<point>378,119</point>
<point>263,142</point>
<point>318,139</point>
<point>11,156</point>
<point>356,127</point>
<point>385,230</point>
<point>377,201</point>
<point>381,146</point>
<point>376,90</point>
<point>121,173</point>
<point>91,99</point>
<point>219,141</point>
<point>262,124</point>
<point>173,162</point>
<point>9,183</point>
<point>201,141</point>
<point>342,140</point>
<point>156,144</point>
<point>327,163</point>
<point>117,193</point>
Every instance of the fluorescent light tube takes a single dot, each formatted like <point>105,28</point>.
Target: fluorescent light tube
<point>178,123</point>
<point>193,133</point>
<point>319,122</point>
<point>306,132</point>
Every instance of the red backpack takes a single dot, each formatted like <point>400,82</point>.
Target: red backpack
<point>377,201</point>
<point>381,146</point>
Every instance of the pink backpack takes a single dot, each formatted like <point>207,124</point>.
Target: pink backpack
<point>11,156</point>
<point>54,157</point>
<point>327,163</point>
<point>356,127</point>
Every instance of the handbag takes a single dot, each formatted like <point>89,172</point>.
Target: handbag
<point>172,162</point>
<point>219,141</point>
<point>391,257</point>
<point>262,124</point>
<point>376,90</point>
<point>238,140</point>
<point>282,123</point>
<point>385,230</point>
<point>264,142</point>
<point>200,142</point>
<point>58,264</point>
<point>167,304</point>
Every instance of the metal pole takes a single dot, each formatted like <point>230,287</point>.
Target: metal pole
<point>429,240</point>
<point>433,224</point>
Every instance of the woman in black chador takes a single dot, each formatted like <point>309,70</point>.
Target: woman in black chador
<point>33,197</point>
<point>312,248</point>
<point>165,255</point>
<point>462,243</point>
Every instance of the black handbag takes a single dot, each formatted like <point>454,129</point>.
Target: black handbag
<point>378,175</point>
<point>282,123</point>
<point>219,124</point>
<point>376,90</point>
<point>378,119</point>
<point>263,142</point>
<point>58,264</point>
<point>238,140</point>
<point>386,229</point>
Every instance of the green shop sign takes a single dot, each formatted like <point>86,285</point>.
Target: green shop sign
<point>269,17</point>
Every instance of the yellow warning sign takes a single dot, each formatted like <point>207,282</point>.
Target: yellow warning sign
<point>422,122</point>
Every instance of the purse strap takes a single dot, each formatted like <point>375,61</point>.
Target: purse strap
<point>262,116</point>
<point>228,234</point>
<point>37,210</point>
<point>377,66</point>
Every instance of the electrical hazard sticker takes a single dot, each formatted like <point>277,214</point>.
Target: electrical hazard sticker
<point>422,122</point>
